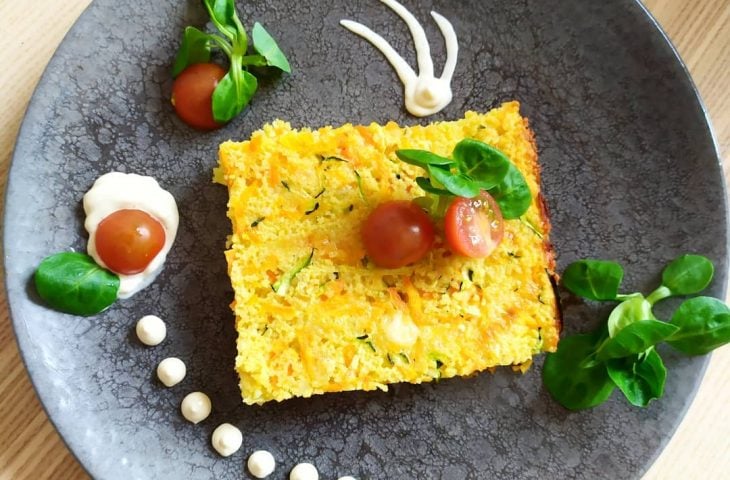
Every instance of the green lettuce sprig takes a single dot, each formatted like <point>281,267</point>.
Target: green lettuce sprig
<point>473,166</point>
<point>236,88</point>
<point>622,354</point>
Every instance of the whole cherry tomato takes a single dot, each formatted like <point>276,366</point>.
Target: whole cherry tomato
<point>397,233</point>
<point>192,95</point>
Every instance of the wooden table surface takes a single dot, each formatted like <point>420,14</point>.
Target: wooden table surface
<point>31,31</point>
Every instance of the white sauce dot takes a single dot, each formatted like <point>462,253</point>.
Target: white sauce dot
<point>261,464</point>
<point>304,471</point>
<point>226,439</point>
<point>171,371</point>
<point>400,330</point>
<point>151,330</point>
<point>347,478</point>
<point>195,407</point>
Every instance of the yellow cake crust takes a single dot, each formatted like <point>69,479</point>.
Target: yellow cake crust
<point>294,192</point>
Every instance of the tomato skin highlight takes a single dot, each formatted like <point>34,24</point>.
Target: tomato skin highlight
<point>128,240</point>
<point>474,226</point>
<point>192,95</point>
<point>397,233</point>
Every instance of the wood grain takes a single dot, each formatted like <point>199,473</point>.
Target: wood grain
<point>30,448</point>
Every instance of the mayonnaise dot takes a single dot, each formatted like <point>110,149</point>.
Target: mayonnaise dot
<point>261,464</point>
<point>226,439</point>
<point>347,478</point>
<point>151,330</point>
<point>400,330</point>
<point>304,471</point>
<point>171,371</point>
<point>195,407</point>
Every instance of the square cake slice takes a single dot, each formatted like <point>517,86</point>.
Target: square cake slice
<point>313,315</point>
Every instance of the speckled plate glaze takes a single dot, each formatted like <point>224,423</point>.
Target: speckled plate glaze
<point>630,172</point>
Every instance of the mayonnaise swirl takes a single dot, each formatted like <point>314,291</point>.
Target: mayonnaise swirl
<point>121,191</point>
<point>424,93</point>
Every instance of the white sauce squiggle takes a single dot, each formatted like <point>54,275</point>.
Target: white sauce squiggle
<point>425,94</point>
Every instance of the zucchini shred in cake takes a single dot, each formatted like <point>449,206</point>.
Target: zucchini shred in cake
<point>313,315</point>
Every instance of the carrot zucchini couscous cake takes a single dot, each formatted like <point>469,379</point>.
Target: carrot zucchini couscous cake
<point>315,315</point>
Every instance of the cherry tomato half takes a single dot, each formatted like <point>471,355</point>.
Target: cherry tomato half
<point>192,93</point>
<point>474,226</point>
<point>128,240</point>
<point>397,233</point>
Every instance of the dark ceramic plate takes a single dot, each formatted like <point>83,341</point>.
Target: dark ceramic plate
<point>630,173</point>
